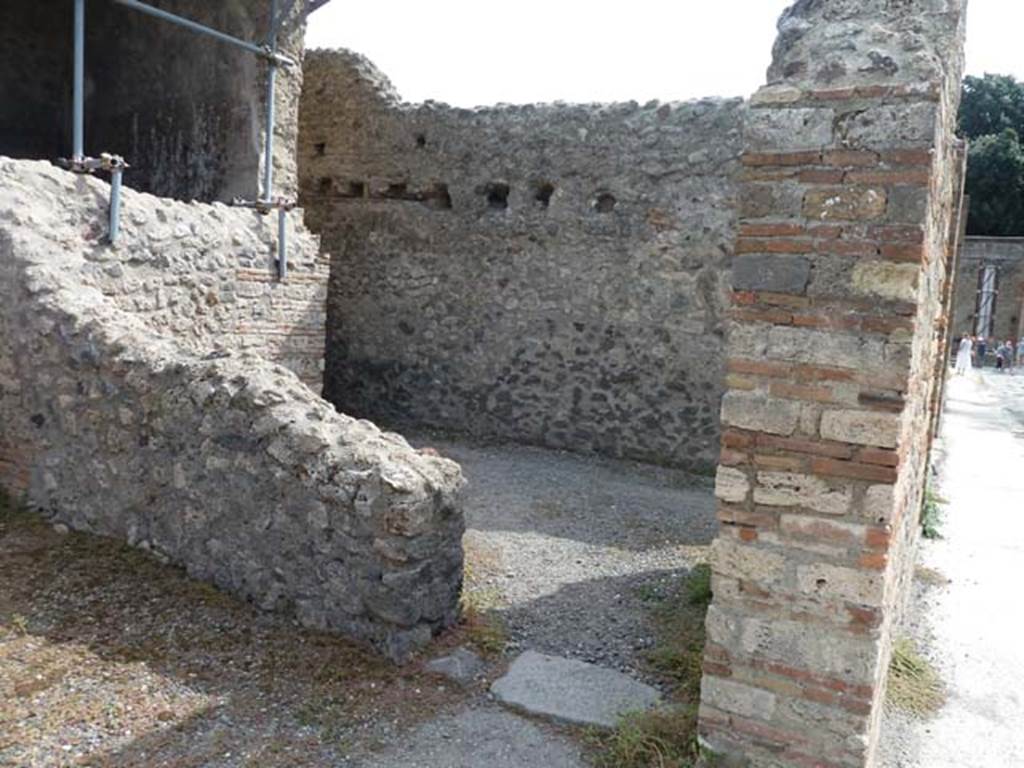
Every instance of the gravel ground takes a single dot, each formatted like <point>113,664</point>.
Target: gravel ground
<point>969,626</point>
<point>109,658</point>
<point>573,549</point>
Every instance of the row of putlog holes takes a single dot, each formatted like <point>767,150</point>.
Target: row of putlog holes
<point>439,198</point>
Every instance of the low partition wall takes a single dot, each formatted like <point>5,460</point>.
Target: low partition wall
<point>219,460</point>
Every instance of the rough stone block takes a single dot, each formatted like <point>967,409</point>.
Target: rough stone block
<point>886,280</point>
<point>761,200</point>
<point>774,273</point>
<point>747,561</point>
<point>879,502</point>
<point>861,427</point>
<point>739,698</point>
<point>824,347</point>
<point>757,412</point>
<point>845,204</point>
<point>790,489</point>
<point>786,130</point>
<point>821,650</point>
<point>855,585</point>
<point>890,126</point>
<point>907,205</point>
<point>731,485</point>
<point>821,530</point>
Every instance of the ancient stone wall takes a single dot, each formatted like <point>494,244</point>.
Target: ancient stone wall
<point>206,276</point>
<point>184,110</point>
<point>1006,254</point>
<point>846,214</point>
<point>548,274</point>
<point>136,401</point>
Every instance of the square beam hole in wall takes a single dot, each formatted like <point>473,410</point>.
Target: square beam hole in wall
<point>497,195</point>
<point>542,193</point>
<point>438,198</point>
<point>605,202</point>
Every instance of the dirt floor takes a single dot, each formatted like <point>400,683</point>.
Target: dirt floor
<point>110,658</point>
<point>965,615</point>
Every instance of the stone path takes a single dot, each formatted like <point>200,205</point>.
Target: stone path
<point>971,629</point>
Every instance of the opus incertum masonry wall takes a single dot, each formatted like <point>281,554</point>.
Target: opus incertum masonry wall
<point>154,392</point>
<point>846,212</point>
<point>549,274</point>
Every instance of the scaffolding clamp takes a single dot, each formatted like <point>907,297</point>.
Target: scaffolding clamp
<point>282,205</point>
<point>105,162</point>
<point>266,206</point>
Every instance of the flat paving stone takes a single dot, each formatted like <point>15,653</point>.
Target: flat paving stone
<point>571,691</point>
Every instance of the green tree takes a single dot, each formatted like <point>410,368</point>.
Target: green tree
<point>990,105</point>
<point>992,119</point>
<point>995,182</point>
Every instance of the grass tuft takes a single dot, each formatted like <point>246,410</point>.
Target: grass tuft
<point>660,738</point>
<point>914,685</point>
<point>666,737</point>
<point>931,515</point>
<point>930,576</point>
<point>484,627</point>
<point>698,586</point>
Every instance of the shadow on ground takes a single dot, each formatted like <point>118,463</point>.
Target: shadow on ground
<point>110,658</point>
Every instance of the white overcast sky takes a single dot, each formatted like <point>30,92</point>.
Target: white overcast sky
<point>474,52</point>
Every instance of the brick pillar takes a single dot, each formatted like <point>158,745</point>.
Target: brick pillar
<point>838,278</point>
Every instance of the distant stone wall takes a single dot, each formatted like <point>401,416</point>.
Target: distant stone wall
<point>549,274</point>
<point>185,111</point>
<point>835,336</point>
<point>132,406</point>
<point>1006,254</point>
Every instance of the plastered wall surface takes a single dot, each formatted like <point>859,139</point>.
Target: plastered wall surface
<point>549,274</point>
<point>144,395</point>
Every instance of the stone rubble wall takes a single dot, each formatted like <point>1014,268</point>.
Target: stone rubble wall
<point>847,207</point>
<point>135,402</point>
<point>548,274</point>
<point>1007,255</point>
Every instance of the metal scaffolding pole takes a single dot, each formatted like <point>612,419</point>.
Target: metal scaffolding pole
<point>116,170</point>
<point>116,165</point>
<point>268,155</point>
<point>205,30</point>
<point>78,107</point>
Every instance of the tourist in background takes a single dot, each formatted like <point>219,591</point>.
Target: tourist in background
<point>1004,352</point>
<point>980,348</point>
<point>963,355</point>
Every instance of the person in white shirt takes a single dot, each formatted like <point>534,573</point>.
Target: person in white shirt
<point>963,355</point>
